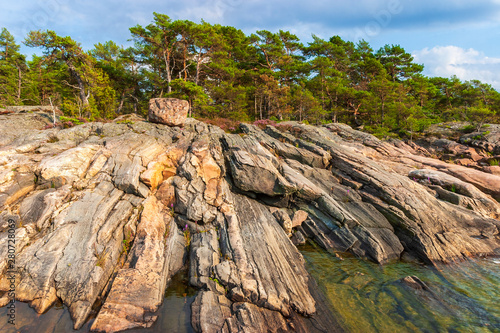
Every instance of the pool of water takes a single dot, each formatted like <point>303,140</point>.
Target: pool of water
<point>173,316</point>
<point>367,297</point>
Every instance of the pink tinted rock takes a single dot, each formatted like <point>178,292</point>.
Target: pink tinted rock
<point>299,217</point>
<point>493,169</point>
<point>168,111</point>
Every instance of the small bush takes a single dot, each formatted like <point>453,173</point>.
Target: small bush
<point>100,257</point>
<point>69,120</point>
<point>68,124</point>
<point>53,139</point>
<point>468,129</point>
<point>49,126</point>
<point>187,235</point>
<point>127,121</point>
<point>284,127</point>
<point>262,123</point>
<point>381,132</point>
<point>227,125</point>
<point>493,162</point>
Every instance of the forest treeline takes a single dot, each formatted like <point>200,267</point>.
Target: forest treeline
<point>224,73</point>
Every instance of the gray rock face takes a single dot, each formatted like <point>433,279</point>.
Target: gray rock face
<point>139,286</point>
<point>458,192</point>
<point>105,214</point>
<point>36,108</point>
<point>250,161</point>
<point>489,141</point>
<point>14,126</point>
<point>168,111</point>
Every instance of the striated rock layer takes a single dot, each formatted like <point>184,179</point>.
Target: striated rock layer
<point>107,213</point>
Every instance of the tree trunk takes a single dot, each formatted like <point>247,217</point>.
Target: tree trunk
<point>135,102</point>
<point>19,80</point>
<point>81,85</point>
<point>382,114</point>
<point>260,107</point>
<point>43,84</point>
<point>184,63</point>
<point>255,103</point>
<point>198,65</point>
<point>355,109</point>
<point>53,112</point>
<point>166,57</point>
<point>122,100</point>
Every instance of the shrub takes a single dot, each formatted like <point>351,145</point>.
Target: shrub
<point>284,127</point>
<point>68,122</point>
<point>262,123</point>
<point>227,125</point>
<point>49,126</point>
<point>126,121</point>
<point>381,132</point>
<point>468,129</point>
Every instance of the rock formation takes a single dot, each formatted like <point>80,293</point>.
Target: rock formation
<point>168,111</point>
<point>108,212</point>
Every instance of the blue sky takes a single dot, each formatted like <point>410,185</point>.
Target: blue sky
<point>450,37</point>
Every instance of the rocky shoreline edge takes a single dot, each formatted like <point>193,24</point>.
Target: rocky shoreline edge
<point>107,213</point>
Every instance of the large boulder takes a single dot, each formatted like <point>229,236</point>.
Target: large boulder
<point>168,111</point>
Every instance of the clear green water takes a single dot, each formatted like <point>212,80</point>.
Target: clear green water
<point>369,298</point>
<point>364,296</point>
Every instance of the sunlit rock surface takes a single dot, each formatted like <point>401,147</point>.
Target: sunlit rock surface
<point>107,213</point>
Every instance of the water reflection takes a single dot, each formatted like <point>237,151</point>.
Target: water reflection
<point>367,298</point>
<point>371,298</point>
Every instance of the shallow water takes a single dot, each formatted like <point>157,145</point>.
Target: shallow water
<point>173,316</point>
<point>369,298</point>
<point>364,296</point>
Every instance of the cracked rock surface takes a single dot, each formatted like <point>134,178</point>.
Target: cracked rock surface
<point>107,213</point>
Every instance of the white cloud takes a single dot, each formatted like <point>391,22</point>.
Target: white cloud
<point>466,64</point>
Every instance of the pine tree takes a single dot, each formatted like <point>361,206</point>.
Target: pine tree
<point>13,70</point>
<point>95,95</point>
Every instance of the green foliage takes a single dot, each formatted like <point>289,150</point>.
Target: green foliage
<point>468,129</point>
<point>226,74</point>
<point>381,132</point>
<point>493,162</point>
<point>96,96</point>
<point>126,121</point>
<point>126,243</point>
<point>100,256</point>
<point>216,281</point>
<point>397,62</point>
<point>478,115</point>
<point>187,235</point>
<point>13,71</point>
